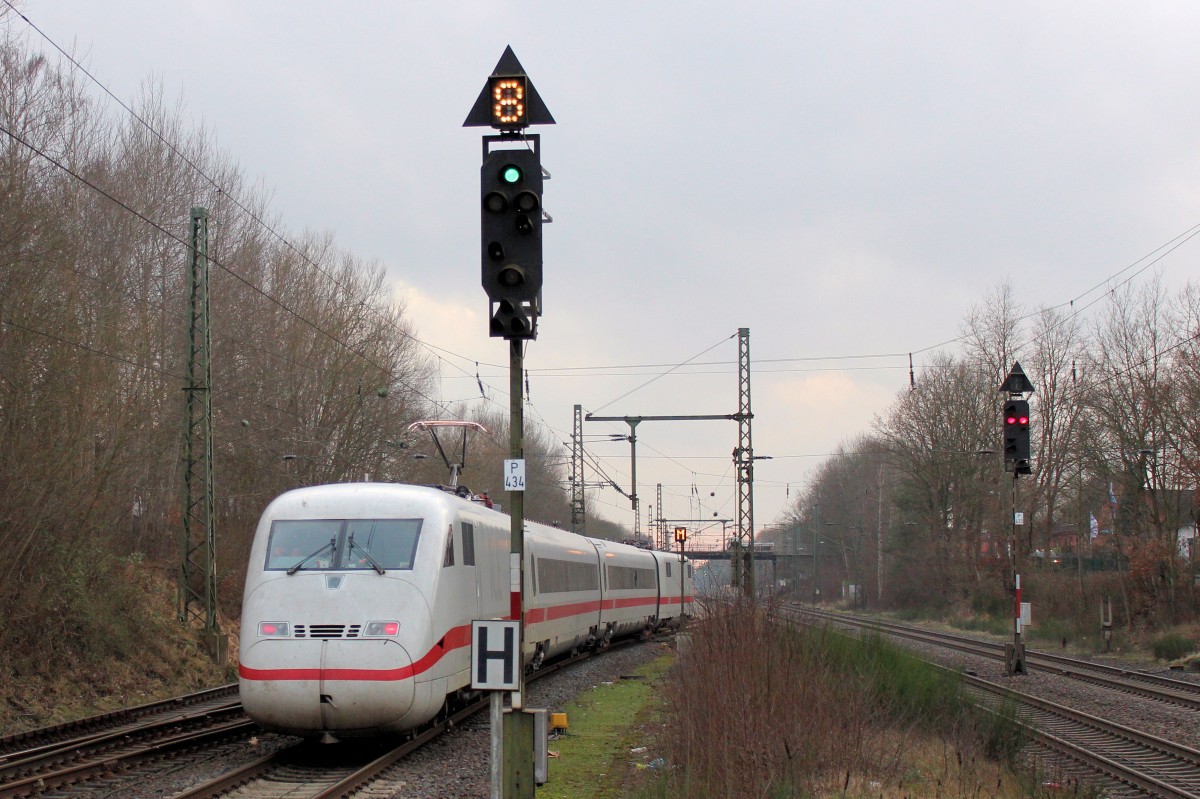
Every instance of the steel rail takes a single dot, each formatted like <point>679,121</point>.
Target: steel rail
<point>43,755</point>
<point>13,741</point>
<point>1131,757</point>
<point>91,767</point>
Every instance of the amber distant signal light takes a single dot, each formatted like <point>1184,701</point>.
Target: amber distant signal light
<point>508,103</point>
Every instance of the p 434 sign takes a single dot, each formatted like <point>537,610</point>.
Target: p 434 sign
<point>514,474</point>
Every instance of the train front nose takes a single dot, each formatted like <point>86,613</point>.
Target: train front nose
<point>365,685</point>
<point>326,686</point>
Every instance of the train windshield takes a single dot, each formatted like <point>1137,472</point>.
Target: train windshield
<point>391,543</point>
<point>357,544</point>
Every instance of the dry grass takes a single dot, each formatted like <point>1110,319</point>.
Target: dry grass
<point>756,709</point>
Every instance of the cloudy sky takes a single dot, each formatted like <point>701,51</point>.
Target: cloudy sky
<point>844,179</point>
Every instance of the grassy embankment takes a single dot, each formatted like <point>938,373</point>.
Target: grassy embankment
<point>117,644</point>
<point>594,757</point>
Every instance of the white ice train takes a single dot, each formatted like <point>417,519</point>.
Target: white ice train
<point>356,618</point>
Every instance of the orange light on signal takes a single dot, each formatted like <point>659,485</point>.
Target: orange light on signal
<point>508,102</point>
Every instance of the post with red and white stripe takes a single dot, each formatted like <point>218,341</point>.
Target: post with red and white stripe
<point>1014,653</point>
<point>1015,425</point>
<point>1017,609</point>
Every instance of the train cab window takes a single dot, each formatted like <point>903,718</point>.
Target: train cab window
<point>392,543</point>
<point>468,544</point>
<point>326,544</point>
<point>292,542</point>
<point>448,558</point>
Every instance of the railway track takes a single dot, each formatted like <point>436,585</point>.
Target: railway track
<point>1134,763</point>
<point>1130,681</point>
<point>302,772</point>
<point>305,772</point>
<point>109,721</point>
<point>1130,762</point>
<point>69,757</point>
<point>33,762</point>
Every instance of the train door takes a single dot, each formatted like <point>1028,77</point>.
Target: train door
<point>491,570</point>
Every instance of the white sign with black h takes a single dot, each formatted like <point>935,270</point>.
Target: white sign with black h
<point>495,659</point>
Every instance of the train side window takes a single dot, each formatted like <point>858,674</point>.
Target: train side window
<point>668,568</point>
<point>468,544</point>
<point>448,560</point>
<point>557,576</point>
<point>629,578</point>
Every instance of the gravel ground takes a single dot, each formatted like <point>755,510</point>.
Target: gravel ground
<point>458,764</point>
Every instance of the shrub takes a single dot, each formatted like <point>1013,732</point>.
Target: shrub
<point>797,707</point>
<point>987,624</point>
<point>1170,646</point>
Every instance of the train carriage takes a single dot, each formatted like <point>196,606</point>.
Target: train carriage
<point>676,587</point>
<point>356,616</point>
<point>630,580</point>
<point>562,596</point>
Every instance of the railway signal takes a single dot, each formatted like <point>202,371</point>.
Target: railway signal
<point>1015,412</point>
<point>508,102</point>
<point>1016,430</point>
<point>1016,435</point>
<point>511,240</point>
<point>511,199</point>
<point>511,255</point>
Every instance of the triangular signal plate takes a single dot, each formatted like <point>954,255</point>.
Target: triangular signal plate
<point>509,66</point>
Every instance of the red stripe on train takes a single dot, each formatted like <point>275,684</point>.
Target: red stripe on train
<point>455,638</point>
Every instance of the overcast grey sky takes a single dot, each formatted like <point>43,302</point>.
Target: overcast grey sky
<point>842,178</point>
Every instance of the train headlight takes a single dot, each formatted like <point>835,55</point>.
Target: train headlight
<point>386,629</point>
<point>274,629</point>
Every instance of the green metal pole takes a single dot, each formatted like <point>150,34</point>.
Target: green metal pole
<point>816,554</point>
<point>518,726</point>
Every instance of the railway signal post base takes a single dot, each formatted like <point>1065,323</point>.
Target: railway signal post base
<point>1014,658</point>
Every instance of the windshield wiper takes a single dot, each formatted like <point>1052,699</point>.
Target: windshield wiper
<point>366,554</point>
<point>331,546</point>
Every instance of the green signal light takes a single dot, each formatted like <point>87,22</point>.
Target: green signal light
<point>511,174</point>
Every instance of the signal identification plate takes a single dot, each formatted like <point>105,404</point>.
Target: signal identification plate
<point>514,474</point>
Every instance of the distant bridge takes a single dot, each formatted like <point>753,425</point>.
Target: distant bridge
<point>727,554</point>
